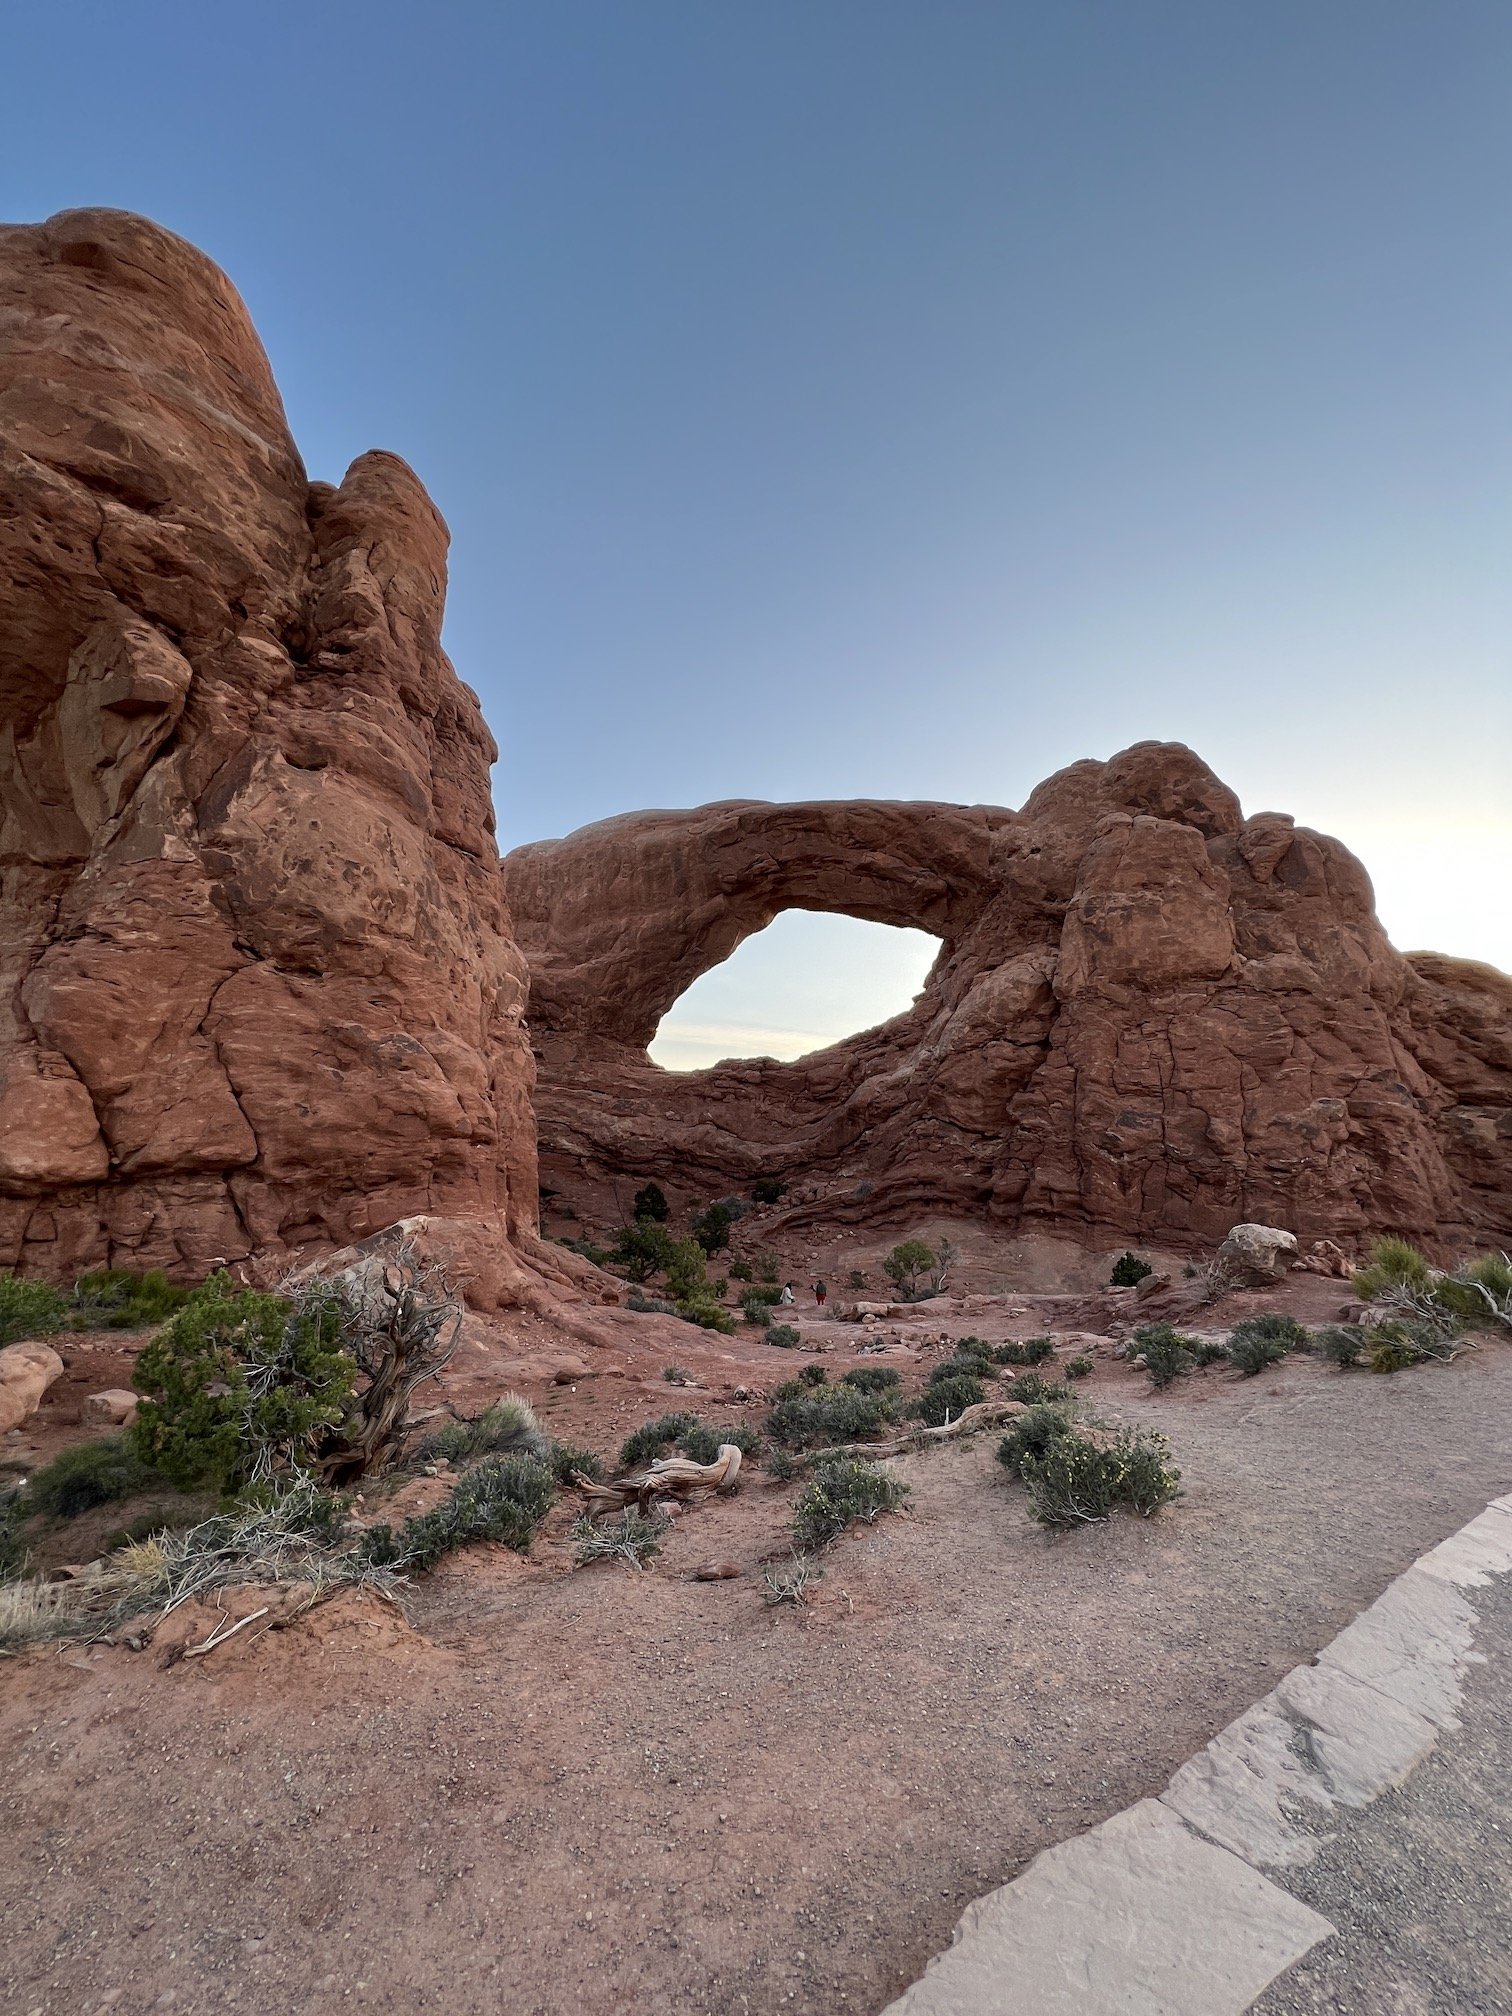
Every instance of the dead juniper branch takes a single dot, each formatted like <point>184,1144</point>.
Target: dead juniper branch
<point>401,1322</point>
<point>671,1477</point>
<point>970,1421</point>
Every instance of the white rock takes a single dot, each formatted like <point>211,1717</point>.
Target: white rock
<point>26,1372</point>
<point>1258,1253</point>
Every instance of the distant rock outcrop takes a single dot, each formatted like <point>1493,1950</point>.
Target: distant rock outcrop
<point>1150,1017</point>
<point>258,992</point>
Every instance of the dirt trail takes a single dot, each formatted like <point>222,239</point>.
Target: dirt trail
<point>602,1791</point>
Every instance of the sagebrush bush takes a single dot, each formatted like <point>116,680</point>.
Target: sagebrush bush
<point>812,1375</point>
<point>1393,1263</point>
<point>1341,1344</point>
<point>1077,1480</point>
<point>654,1439</point>
<point>1032,1351</point>
<point>1078,1368</point>
<point>1032,1433</point>
<point>677,1375</point>
<point>1263,1340</point>
<point>1129,1270</point>
<point>1167,1353</point>
<point>238,1385</point>
<point>947,1399</point>
<point>703,1444</point>
<point>810,1418</point>
<point>503,1498</point>
<point>89,1474</point>
<point>14,1509</point>
<point>871,1378</point>
<point>564,1459</point>
<point>962,1367</point>
<point>758,1303</point>
<point>841,1493</point>
<point>633,1537</point>
<point>784,1336</point>
<point>740,1270</point>
<point>509,1425</point>
<point>1033,1389</point>
<point>29,1309</point>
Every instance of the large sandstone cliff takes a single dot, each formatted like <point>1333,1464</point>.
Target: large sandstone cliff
<point>1150,1017</point>
<point>258,992</point>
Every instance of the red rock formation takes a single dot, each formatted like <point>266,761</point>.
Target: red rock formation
<point>257,985</point>
<point>1150,1017</point>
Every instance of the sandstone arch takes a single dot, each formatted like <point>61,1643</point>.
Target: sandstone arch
<point>1150,1016</point>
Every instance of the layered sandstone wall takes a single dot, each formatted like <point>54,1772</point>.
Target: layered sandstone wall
<point>258,990</point>
<point>1150,1017</point>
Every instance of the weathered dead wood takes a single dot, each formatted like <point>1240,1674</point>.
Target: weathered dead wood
<point>669,1477</point>
<point>970,1421</point>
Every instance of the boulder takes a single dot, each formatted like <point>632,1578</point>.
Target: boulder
<point>116,1405</point>
<point>26,1372</point>
<point>1257,1254</point>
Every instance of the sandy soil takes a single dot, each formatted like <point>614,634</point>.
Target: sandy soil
<point>552,1790</point>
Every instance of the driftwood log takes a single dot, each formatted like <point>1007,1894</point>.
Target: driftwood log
<point>970,1421</point>
<point>669,1477</point>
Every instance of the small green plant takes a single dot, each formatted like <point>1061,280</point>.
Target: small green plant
<point>810,1418</point>
<point>1032,1433</point>
<point>1167,1353</point>
<point>633,1538</point>
<point>589,1249</point>
<point>741,1270</point>
<point>565,1460</point>
<point>654,1439</point>
<point>677,1375</point>
<point>766,1268</point>
<point>29,1309</point>
<point>962,1366</point>
<point>1129,1270</point>
<point>712,1229</point>
<point>701,1444</point>
<point>767,1190</point>
<point>504,1498</point>
<point>792,1583</point>
<point>813,1375</point>
<point>842,1492</point>
<point>1263,1340</point>
<point>1035,1390</point>
<point>857,1280</point>
<point>1032,1351</point>
<point>239,1385</point>
<point>1340,1344</point>
<point>651,1204</point>
<point>509,1426</point>
<point>14,1509</point>
<point>945,1400</point>
<point>759,1302</point>
<point>1079,1368</point>
<point>1393,1263</point>
<point>1077,1480</point>
<point>89,1474</point>
<point>784,1336</point>
<point>907,1266</point>
<point>691,1291</point>
<point>871,1378</point>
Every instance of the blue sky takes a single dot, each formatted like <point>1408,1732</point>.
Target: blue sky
<point>842,398</point>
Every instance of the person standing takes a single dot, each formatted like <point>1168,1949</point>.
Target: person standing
<point>786,1297</point>
<point>820,1292</point>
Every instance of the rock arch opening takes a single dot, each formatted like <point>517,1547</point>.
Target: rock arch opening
<point>810,979</point>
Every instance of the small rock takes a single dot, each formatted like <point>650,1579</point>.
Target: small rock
<point>116,1405</point>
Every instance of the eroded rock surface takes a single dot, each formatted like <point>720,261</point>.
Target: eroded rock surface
<point>258,992</point>
<point>1150,1016</point>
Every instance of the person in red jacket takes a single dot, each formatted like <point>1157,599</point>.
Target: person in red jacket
<point>820,1291</point>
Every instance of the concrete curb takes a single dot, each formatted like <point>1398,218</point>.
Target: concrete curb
<point>1164,1910</point>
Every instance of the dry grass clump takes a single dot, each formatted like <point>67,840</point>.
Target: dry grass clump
<point>633,1538</point>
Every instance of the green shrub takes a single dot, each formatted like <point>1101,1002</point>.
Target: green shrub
<point>1032,1433</point>
<point>784,1336</point>
<point>857,1280</point>
<point>1034,1390</point>
<point>116,1299</point>
<point>29,1309</point>
<point>702,1445</point>
<point>740,1270</point>
<point>767,1190</point>
<point>14,1510</point>
<point>642,1249</point>
<point>962,1367</point>
<point>1167,1353</point>
<point>947,1399</point>
<point>758,1303</point>
<point>509,1426</point>
<point>842,1492</point>
<point>1078,1368</point>
<point>651,1204</point>
<point>871,1378</point>
<point>504,1498</point>
<point>633,1537</point>
<point>1129,1270</point>
<point>1033,1351</point>
<point>1077,1481</point>
<point>813,1375</point>
<point>654,1439</point>
<point>1208,1351</point>
<point>809,1419</point>
<point>766,1268</point>
<point>589,1249</point>
<point>712,1229</point>
<point>1479,1292</point>
<point>1341,1344</point>
<point>650,1305</point>
<point>1263,1340</point>
<point>239,1384</point>
<point>564,1459</point>
<point>907,1265</point>
<point>89,1474</point>
<point>1393,1263</point>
